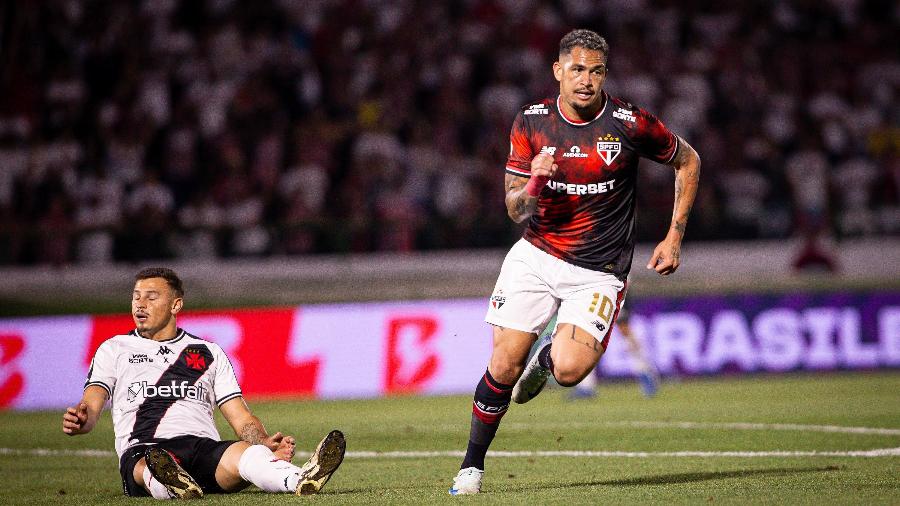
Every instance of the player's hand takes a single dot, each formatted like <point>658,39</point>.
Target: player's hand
<point>282,446</point>
<point>543,167</point>
<point>75,419</point>
<point>667,256</point>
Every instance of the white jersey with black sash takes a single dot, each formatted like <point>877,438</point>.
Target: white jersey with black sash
<point>162,389</point>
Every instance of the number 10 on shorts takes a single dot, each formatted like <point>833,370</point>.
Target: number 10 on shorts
<point>606,307</point>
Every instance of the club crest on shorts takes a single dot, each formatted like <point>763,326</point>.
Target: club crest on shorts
<point>608,147</point>
<point>498,299</point>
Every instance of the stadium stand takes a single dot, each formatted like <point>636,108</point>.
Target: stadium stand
<point>218,129</point>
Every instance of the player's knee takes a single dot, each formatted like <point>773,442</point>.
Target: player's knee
<point>569,373</point>
<point>505,371</point>
<point>567,379</point>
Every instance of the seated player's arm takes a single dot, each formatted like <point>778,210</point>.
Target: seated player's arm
<point>686,162</point>
<point>81,419</point>
<point>251,429</point>
<point>522,193</point>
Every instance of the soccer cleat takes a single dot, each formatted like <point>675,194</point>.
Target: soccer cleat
<point>316,472</point>
<point>648,384</point>
<point>533,378</point>
<point>167,471</point>
<point>467,481</point>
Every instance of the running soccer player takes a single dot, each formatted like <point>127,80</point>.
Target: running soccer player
<point>571,173</point>
<point>165,384</point>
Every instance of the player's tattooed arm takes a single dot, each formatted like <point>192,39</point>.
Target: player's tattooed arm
<point>250,429</point>
<point>667,255</point>
<point>245,424</point>
<point>519,204</point>
<point>253,432</point>
<point>687,179</point>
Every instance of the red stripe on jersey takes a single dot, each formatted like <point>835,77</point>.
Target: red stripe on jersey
<point>619,299</point>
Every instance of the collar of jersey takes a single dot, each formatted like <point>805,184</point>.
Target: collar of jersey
<point>178,335</point>
<point>582,123</point>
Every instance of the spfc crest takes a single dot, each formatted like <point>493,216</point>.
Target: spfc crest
<point>608,147</point>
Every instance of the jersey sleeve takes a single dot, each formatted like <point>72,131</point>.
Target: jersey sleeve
<point>225,383</point>
<point>520,153</point>
<point>102,372</point>
<point>652,139</point>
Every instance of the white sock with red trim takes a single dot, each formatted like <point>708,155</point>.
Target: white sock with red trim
<point>261,467</point>
<point>156,489</point>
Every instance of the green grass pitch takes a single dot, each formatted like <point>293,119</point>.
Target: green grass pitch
<point>795,413</point>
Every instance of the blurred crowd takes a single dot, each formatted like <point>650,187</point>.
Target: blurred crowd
<point>134,130</point>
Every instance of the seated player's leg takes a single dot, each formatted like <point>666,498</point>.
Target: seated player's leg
<point>324,461</point>
<point>228,474</point>
<point>163,472</point>
<point>164,479</point>
<point>243,463</point>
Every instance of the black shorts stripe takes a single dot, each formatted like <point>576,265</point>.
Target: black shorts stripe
<point>228,397</point>
<point>187,367</point>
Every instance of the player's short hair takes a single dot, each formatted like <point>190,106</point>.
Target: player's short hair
<point>583,38</point>
<point>169,275</point>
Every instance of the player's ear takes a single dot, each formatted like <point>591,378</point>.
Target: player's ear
<point>557,70</point>
<point>177,304</point>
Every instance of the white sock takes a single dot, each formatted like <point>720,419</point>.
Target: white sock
<point>261,467</point>
<point>156,489</point>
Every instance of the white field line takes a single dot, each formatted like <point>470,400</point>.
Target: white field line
<point>881,452</point>
<point>705,426</point>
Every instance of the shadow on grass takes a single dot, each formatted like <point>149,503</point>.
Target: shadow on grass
<point>668,479</point>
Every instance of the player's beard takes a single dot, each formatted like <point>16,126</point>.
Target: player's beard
<point>148,327</point>
<point>587,108</point>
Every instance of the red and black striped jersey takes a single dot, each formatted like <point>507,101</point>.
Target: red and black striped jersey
<point>585,214</point>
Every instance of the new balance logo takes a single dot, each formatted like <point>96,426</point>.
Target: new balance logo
<point>550,150</point>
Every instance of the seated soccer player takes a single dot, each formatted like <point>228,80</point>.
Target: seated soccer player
<point>164,384</point>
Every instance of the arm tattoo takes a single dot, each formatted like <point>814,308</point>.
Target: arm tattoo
<point>687,177</point>
<point>519,204</point>
<point>250,433</point>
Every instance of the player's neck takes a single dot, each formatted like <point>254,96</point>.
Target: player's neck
<point>163,334</point>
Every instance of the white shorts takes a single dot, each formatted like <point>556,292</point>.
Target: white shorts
<point>533,285</point>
